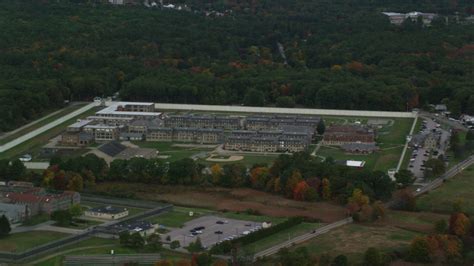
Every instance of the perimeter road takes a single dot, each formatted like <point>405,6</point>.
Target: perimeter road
<point>274,110</point>
<point>45,128</point>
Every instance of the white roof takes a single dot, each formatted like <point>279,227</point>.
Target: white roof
<point>112,109</point>
<point>80,123</point>
<point>352,163</point>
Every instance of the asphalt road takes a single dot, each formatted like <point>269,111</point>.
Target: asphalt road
<point>302,238</point>
<point>45,128</point>
<point>444,120</point>
<point>453,171</point>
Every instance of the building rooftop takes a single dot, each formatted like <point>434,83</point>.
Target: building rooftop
<point>80,123</point>
<point>112,148</point>
<point>108,209</point>
<point>112,109</point>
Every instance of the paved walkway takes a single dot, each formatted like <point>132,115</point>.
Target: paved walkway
<point>45,128</point>
<point>406,144</point>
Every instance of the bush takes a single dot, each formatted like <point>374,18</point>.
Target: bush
<point>175,244</point>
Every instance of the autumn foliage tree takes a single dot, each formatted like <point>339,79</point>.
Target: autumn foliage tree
<point>459,224</point>
<point>216,172</point>
<point>326,189</point>
<point>300,190</point>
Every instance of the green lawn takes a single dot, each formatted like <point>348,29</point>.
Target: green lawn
<point>382,160</point>
<point>19,242</point>
<point>178,216</point>
<point>42,121</point>
<point>37,219</point>
<point>99,246</point>
<point>80,224</point>
<point>250,217</point>
<point>396,133</point>
<point>354,239</point>
<point>457,188</point>
<point>279,237</point>
<point>34,145</point>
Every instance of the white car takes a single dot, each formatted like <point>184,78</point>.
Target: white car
<point>418,189</point>
<point>25,158</point>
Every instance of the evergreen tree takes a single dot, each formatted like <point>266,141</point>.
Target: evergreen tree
<point>4,226</point>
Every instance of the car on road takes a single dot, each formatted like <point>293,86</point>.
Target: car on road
<point>220,222</point>
<point>418,189</point>
<point>26,158</point>
<point>218,232</point>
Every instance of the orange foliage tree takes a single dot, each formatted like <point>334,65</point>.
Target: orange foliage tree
<point>459,224</point>
<point>300,190</point>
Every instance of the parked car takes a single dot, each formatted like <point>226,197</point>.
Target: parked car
<point>26,158</point>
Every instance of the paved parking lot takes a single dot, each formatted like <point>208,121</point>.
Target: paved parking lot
<point>421,155</point>
<point>208,236</point>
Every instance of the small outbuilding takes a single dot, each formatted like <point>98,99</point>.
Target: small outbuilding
<point>106,212</point>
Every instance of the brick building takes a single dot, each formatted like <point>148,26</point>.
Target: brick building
<point>339,135</point>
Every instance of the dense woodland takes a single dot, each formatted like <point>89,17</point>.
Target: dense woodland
<point>334,54</point>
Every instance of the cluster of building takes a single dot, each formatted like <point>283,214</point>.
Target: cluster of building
<point>283,139</point>
<point>399,18</point>
<point>351,138</point>
<point>106,212</point>
<point>140,121</point>
<point>21,200</point>
<point>428,141</point>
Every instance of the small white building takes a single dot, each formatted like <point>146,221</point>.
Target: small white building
<point>106,212</point>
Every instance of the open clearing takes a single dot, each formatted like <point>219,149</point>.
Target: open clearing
<point>458,188</point>
<point>237,200</point>
<point>23,241</point>
<point>354,239</point>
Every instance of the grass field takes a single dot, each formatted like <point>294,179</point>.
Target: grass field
<point>382,160</point>
<point>80,224</point>
<point>41,122</point>
<point>458,188</point>
<point>19,242</point>
<point>97,246</point>
<point>178,216</point>
<point>34,145</point>
<point>353,240</point>
<point>37,219</point>
<point>279,237</point>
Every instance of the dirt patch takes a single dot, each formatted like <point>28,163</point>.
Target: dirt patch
<point>239,199</point>
<point>232,158</point>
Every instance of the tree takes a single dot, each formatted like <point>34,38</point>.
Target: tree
<point>441,226</point>
<point>340,260</point>
<point>459,224</point>
<point>285,101</point>
<point>404,200</point>
<point>373,257</point>
<point>254,97</point>
<point>135,241</point>
<point>326,189</point>
<point>4,226</point>
<point>216,172</point>
<point>321,128</point>
<point>419,250</point>
<point>174,244</point>
<point>311,194</point>
<point>16,170</point>
<point>195,246</point>
<point>404,178</point>
<point>299,191</point>
<point>154,242</point>
<point>75,182</point>
<point>62,217</point>
<point>75,210</point>
<point>434,168</point>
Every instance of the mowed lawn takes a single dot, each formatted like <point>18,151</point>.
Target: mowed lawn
<point>382,160</point>
<point>178,216</point>
<point>353,240</point>
<point>442,199</point>
<point>19,242</point>
<point>280,237</point>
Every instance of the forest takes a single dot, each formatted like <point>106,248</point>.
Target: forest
<point>318,54</point>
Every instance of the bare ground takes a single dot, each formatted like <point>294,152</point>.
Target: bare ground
<point>239,199</point>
